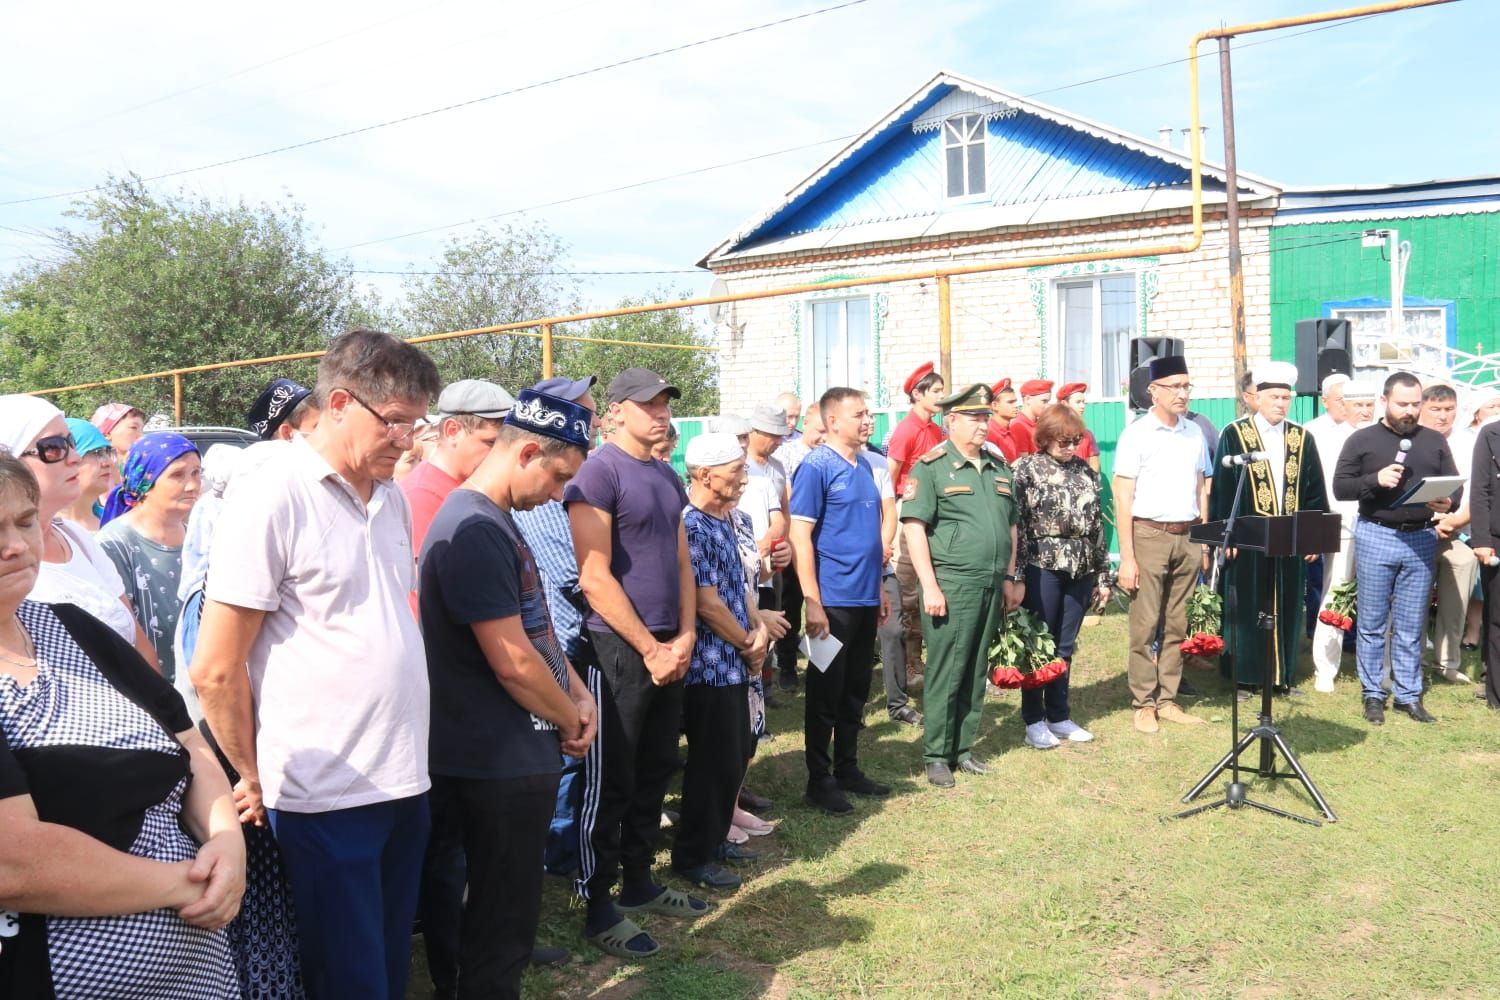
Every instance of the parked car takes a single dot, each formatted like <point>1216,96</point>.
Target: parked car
<point>206,437</point>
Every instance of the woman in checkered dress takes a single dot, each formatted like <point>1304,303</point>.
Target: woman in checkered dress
<point>122,857</point>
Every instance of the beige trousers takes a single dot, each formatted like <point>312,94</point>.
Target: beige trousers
<point>1169,566</point>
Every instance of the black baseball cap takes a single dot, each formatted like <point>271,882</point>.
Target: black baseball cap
<point>640,385</point>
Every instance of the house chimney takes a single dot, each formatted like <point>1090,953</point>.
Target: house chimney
<point>1164,135</point>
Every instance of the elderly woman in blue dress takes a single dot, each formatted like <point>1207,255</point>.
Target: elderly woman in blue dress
<point>122,858</point>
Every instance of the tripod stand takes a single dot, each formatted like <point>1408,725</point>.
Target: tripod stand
<point>1281,537</point>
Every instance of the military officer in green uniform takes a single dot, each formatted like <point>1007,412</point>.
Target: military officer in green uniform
<point>960,531</point>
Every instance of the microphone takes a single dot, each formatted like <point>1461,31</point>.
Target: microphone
<point>1400,458</point>
<point>1248,458</point>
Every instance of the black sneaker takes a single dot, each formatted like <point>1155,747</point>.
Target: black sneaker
<point>858,784</point>
<point>827,797</point>
<point>1186,690</point>
<point>1375,711</point>
<point>545,955</point>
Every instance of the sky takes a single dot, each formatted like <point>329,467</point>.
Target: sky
<point>94,89</point>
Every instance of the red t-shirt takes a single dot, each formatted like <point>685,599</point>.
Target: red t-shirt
<point>1088,447</point>
<point>1013,441</point>
<point>426,487</point>
<point>912,438</point>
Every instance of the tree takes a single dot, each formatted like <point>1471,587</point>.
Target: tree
<point>156,281</point>
<point>696,373</point>
<point>489,279</point>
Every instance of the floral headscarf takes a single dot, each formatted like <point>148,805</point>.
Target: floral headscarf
<point>147,460</point>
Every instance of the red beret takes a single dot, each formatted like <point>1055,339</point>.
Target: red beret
<point>923,370</point>
<point>1036,387</point>
<point>1071,388</point>
<point>999,387</point>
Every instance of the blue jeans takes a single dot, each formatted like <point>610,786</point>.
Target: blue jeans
<point>1060,601</point>
<point>354,876</point>
<point>1394,569</point>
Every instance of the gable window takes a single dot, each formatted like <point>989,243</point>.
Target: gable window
<point>963,155</point>
<point>840,348</point>
<point>1096,318</point>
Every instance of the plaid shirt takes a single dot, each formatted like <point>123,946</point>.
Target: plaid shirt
<point>547,532</point>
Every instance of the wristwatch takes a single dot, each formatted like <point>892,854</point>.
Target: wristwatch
<point>1010,578</point>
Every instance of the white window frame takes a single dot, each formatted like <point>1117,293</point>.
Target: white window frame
<point>1059,333</point>
<point>959,132</point>
<point>865,381</point>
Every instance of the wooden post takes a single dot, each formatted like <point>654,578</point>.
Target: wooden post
<point>945,330</point>
<point>546,350</point>
<point>1232,223</point>
<point>177,398</point>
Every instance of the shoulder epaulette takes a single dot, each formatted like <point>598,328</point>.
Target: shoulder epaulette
<point>934,454</point>
<point>994,451</point>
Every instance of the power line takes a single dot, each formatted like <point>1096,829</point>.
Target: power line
<point>632,60</point>
<point>105,116</point>
<point>821,142</point>
<point>594,194</point>
<point>518,274</point>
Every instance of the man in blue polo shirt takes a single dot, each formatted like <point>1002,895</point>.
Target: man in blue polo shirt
<point>835,530</point>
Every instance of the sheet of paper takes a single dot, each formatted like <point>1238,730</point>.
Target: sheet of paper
<point>820,652</point>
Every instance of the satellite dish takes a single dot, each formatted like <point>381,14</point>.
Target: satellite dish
<point>716,311</point>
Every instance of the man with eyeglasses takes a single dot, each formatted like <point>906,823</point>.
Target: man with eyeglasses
<point>1291,479</point>
<point>1161,490</point>
<point>311,669</point>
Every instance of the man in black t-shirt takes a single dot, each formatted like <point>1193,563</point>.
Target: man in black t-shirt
<point>504,697</point>
<point>1394,547</point>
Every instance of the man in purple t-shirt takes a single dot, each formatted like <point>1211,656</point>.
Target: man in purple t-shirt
<point>625,508</point>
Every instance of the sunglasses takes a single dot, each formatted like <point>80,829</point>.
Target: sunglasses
<point>51,450</point>
<point>1071,442</point>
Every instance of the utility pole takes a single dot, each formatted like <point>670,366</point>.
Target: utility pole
<point>1232,223</point>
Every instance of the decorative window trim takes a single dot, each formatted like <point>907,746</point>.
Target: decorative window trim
<point>879,308</point>
<point>994,112</point>
<point>1042,281</point>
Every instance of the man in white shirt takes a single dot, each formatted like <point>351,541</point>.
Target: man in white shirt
<point>1161,490</point>
<point>1358,399</point>
<point>1334,413</point>
<point>311,670</point>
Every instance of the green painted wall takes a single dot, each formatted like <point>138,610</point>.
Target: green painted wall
<point>1453,257</point>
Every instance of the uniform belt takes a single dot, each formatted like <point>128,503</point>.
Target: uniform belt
<point>1403,526</point>
<point>1170,527</point>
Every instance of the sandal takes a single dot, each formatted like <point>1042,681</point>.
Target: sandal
<point>668,903</point>
<point>616,941</point>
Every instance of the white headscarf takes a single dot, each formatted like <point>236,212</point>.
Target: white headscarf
<point>22,418</point>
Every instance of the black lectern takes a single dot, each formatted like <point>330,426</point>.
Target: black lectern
<point>1289,536</point>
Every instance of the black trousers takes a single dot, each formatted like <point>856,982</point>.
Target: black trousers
<point>503,823</point>
<point>1490,577</point>
<point>791,604</point>
<point>637,744</point>
<point>717,722</point>
<point>836,697</point>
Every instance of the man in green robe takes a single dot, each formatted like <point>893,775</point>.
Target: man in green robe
<point>1289,480</point>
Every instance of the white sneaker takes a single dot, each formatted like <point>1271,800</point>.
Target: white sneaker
<point>1070,731</point>
<point>1040,737</point>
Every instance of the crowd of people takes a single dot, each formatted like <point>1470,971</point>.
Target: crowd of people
<point>266,710</point>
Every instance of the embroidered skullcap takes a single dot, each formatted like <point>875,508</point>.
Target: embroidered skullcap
<point>274,404</point>
<point>552,417</point>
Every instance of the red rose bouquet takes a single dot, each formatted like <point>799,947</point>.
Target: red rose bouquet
<point>1204,611</point>
<point>1024,655</point>
<point>1340,610</point>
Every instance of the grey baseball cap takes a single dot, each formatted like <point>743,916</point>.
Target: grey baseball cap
<point>640,385</point>
<point>769,420</point>
<point>477,397</point>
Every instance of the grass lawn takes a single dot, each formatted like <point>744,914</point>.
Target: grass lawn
<point>1057,876</point>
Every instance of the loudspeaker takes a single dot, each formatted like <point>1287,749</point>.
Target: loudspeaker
<point>1143,350</point>
<point>1323,349</point>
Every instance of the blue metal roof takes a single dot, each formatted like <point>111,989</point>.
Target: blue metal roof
<point>1030,159</point>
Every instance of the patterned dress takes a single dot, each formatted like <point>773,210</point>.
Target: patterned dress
<point>1060,527</point>
<point>73,720</point>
